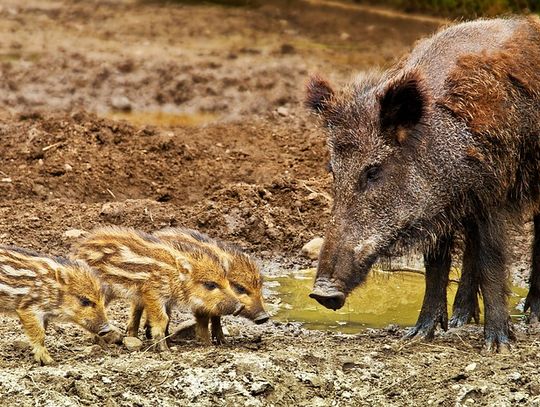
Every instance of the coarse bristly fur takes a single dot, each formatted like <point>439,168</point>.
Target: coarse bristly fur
<point>155,276</point>
<point>38,288</point>
<point>447,140</point>
<point>242,272</point>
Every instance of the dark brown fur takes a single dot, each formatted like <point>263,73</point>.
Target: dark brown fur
<point>446,140</point>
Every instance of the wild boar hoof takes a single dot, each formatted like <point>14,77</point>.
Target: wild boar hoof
<point>463,315</point>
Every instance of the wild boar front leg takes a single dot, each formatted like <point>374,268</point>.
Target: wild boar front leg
<point>35,330</point>
<point>217,330</point>
<point>201,329</point>
<point>437,263</point>
<point>158,319</point>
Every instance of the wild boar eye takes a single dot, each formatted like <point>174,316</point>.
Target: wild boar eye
<point>85,302</point>
<point>370,176</point>
<point>240,289</point>
<point>210,285</point>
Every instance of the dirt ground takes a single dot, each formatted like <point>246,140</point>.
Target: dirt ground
<point>215,137</point>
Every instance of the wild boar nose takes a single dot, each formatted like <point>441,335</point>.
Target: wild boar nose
<point>238,309</point>
<point>105,329</point>
<point>261,318</point>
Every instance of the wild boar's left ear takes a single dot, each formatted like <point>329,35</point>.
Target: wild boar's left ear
<point>403,103</point>
<point>318,94</point>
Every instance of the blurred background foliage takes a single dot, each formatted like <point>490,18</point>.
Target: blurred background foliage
<point>447,8</point>
<point>461,8</point>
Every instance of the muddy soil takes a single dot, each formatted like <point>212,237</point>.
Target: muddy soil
<point>213,136</point>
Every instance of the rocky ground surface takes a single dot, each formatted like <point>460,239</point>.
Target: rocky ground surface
<point>153,114</point>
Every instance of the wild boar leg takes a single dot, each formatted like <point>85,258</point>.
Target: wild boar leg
<point>201,329</point>
<point>437,263</point>
<point>135,319</point>
<point>533,297</point>
<point>35,330</point>
<point>217,330</point>
<point>487,240</point>
<point>466,306</point>
<point>156,314</point>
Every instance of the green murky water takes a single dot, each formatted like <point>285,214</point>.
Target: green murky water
<point>386,298</point>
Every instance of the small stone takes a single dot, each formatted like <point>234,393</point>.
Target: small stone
<point>74,233</point>
<point>259,388</point>
<point>132,344</point>
<point>106,380</point>
<point>68,167</point>
<point>283,111</point>
<point>7,180</point>
<point>344,36</point>
<point>312,248</point>
<point>470,367</point>
<point>121,103</point>
<point>92,350</point>
<point>514,376</point>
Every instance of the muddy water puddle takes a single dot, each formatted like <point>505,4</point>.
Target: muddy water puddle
<point>163,119</point>
<point>386,298</point>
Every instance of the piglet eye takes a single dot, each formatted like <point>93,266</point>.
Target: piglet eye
<point>240,289</point>
<point>210,285</point>
<point>329,167</point>
<point>85,302</point>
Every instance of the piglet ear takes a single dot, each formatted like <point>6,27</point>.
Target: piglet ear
<point>318,94</point>
<point>403,103</point>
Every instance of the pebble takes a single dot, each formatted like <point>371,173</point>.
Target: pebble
<point>514,376</point>
<point>92,350</point>
<point>283,111</point>
<point>259,387</point>
<point>132,344</point>
<point>312,248</point>
<point>121,103</point>
<point>470,367</point>
<point>106,380</point>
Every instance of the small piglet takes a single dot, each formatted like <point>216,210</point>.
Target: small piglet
<point>242,272</point>
<point>155,276</point>
<point>39,288</point>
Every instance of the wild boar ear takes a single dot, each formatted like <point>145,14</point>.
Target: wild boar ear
<point>318,94</point>
<point>403,103</point>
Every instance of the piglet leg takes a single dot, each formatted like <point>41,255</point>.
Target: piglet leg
<point>35,330</point>
<point>217,330</point>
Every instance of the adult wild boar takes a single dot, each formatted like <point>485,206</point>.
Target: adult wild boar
<point>448,139</point>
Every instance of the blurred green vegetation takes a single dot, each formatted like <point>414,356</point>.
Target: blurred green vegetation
<point>230,3</point>
<point>461,8</point>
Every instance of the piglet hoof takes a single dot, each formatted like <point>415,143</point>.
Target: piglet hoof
<point>161,346</point>
<point>219,338</point>
<point>43,358</point>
